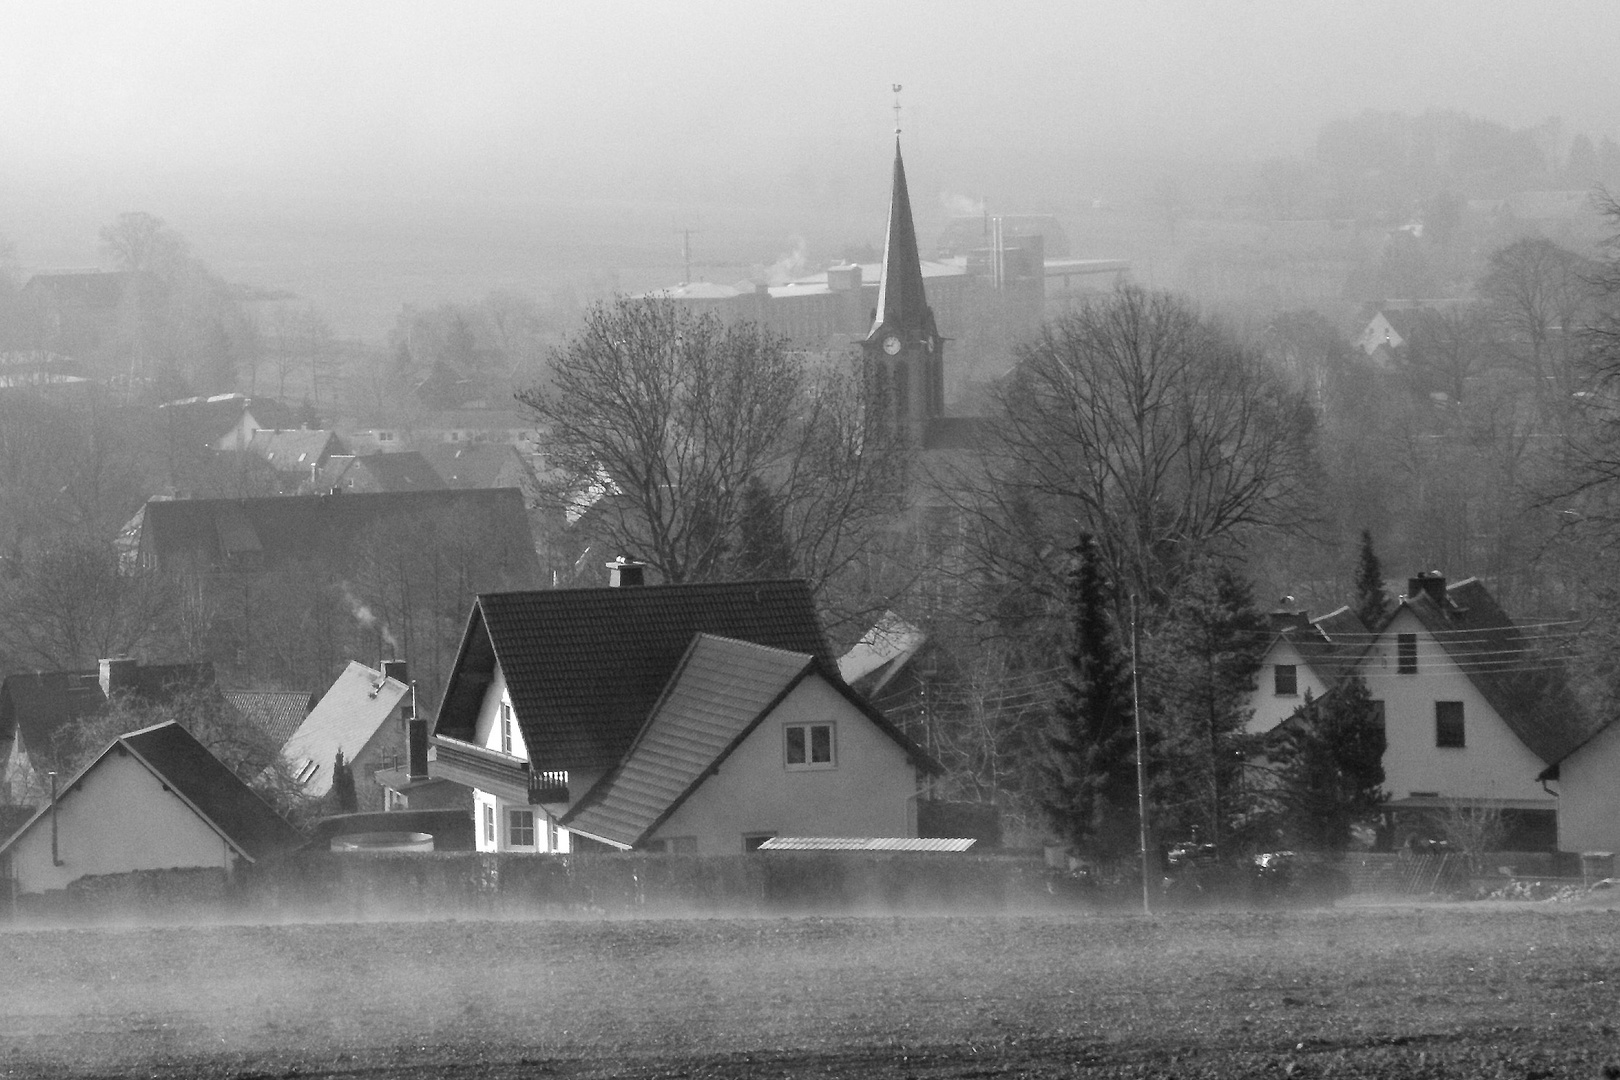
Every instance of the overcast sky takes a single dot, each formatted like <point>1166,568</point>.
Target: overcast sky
<point>219,115</point>
<point>594,96</point>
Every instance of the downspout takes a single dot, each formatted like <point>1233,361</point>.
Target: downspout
<point>55,854</point>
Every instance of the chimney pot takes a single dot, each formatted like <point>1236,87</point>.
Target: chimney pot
<point>625,573</point>
<point>1430,582</point>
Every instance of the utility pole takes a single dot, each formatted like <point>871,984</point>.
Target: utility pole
<point>1141,758</point>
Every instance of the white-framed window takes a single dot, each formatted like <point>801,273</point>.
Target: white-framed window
<point>519,827</point>
<point>489,825</point>
<point>506,727</point>
<point>751,841</point>
<point>551,833</point>
<point>809,746</point>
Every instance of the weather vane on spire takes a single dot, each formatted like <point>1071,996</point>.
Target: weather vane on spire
<point>896,109</point>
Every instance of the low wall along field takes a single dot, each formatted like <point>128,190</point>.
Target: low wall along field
<point>319,884</point>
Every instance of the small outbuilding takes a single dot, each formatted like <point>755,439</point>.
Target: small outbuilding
<point>155,799</point>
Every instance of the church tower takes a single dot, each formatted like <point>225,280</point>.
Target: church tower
<point>904,347</point>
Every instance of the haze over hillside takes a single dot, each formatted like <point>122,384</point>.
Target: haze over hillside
<point>369,155</point>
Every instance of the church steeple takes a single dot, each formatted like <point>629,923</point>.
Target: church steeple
<point>904,342</point>
<point>902,306</point>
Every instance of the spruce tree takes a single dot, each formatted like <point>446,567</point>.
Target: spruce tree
<point>1331,769</point>
<point>1372,602</point>
<point>1090,772</point>
<point>343,793</point>
<point>1199,669</point>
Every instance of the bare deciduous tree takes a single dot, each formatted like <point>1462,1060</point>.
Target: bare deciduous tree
<point>1137,420</point>
<point>656,420</point>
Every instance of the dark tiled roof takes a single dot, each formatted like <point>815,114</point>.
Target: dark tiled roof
<point>203,780</point>
<point>469,465</point>
<point>275,712</point>
<point>200,419</point>
<point>406,471</point>
<point>1331,644</point>
<point>42,704</point>
<point>722,689</point>
<point>1528,690</point>
<point>585,666</point>
<point>297,449</point>
<point>284,529</point>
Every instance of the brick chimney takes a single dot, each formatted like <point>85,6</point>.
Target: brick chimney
<point>416,740</point>
<point>118,674</point>
<point>624,573</point>
<point>1432,582</point>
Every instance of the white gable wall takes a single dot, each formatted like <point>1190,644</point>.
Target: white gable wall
<point>870,792</point>
<point>1269,707</point>
<point>1492,765</point>
<point>487,733</point>
<point>1589,795</point>
<point>118,818</point>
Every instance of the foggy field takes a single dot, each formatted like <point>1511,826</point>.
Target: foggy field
<point>1368,992</point>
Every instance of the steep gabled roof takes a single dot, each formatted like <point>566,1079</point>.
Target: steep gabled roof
<point>721,690</point>
<point>471,465</point>
<point>275,712</point>
<point>1528,689</point>
<point>1331,644</point>
<point>403,471</point>
<point>585,666</point>
<point>880,653</point>
<point>346,718</point>
<point>198,778</point>
<point>720,693</point>
<point>296,450</point>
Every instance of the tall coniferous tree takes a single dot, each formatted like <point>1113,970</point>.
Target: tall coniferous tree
<point>1332,768</point>
<point>1372,602</point>
<point>1090,772</point>
<point>343,792</point>
<point>1201,666</point>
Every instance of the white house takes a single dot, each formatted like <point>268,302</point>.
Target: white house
<point>1305,658</point>
<point>362,714</point>
<point>155,799</point>
<point>694,718</point>
<point>1475,712</point>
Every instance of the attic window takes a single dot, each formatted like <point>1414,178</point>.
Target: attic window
<point>809,746</point>
<point>1406,654</point>
<point>1285,680</point>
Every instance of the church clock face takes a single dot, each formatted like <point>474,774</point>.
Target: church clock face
<point>891,344</point>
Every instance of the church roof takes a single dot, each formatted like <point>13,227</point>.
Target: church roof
<point>902,304</point>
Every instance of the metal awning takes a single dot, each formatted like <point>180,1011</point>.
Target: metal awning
<point>866,843</point>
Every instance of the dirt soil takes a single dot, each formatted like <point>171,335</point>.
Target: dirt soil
<point>1532,991</point>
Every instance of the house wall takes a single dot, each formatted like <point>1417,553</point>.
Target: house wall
<point>487,733</point>
<point>117,819</point>
<point>1589,795</point>
<point>1270,708</point>
<point>870,792</point>
<point>1492,765</point>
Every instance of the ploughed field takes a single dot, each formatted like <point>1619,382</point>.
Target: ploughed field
<point>1400,992</point>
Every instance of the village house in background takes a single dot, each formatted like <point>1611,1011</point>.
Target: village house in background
<point>38,709</point>
<point>1477,716</point>
<point>689,718</point>
<point>154,799</point>
<point>363,716</point>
